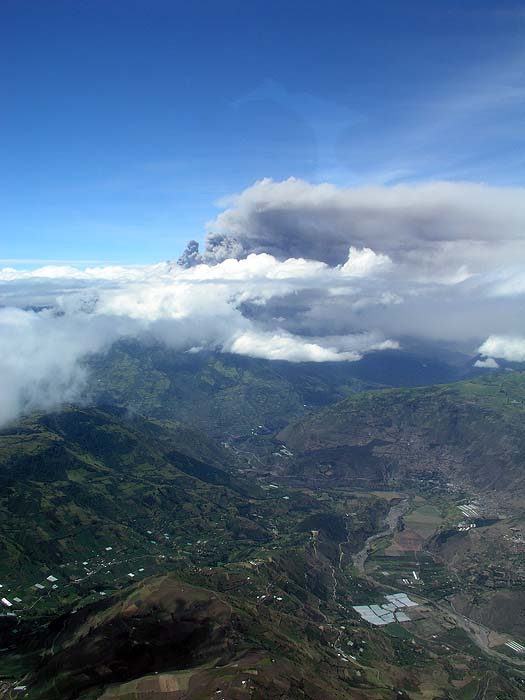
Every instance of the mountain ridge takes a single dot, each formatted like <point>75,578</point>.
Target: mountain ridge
<point>472,430</point>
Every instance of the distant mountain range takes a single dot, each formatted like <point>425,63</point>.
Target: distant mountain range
<point>226,394</point>
<point>472,430</point>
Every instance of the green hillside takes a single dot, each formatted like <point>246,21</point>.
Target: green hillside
<point>94,501</point>
<point>77,482</point>
<point>472,430</point>
<point>219,393</point>
<point>227,395</point>
<point>141,560</point>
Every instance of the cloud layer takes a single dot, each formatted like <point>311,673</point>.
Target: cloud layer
<point>293,271</point>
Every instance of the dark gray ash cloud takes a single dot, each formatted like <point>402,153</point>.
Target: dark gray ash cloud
<point>440,224</point>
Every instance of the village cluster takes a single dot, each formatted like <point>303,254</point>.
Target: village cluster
<point>51,582</point>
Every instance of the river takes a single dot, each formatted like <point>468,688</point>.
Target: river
<point>391,520</point>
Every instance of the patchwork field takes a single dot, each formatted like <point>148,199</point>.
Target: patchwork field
<point>418,527</point>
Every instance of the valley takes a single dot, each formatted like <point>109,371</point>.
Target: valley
<point>143,559</point>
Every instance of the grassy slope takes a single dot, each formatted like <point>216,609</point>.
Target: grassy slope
<point>229,394</point>
<point>222,394</point>
<point>474,427</point>
<point>264,600</point>
<point>81,480</point>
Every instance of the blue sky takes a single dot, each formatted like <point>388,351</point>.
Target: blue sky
<point>123,123</point>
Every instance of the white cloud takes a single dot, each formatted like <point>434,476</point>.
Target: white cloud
<point>285,346</point>
<point>326,274</point>
<point>67,272</point>
<point>80,312</point>
<point>511,348</point>
<point>282,346</point>
<point>40,359</point>
<point>364,262</point>
<point>487,363</point>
